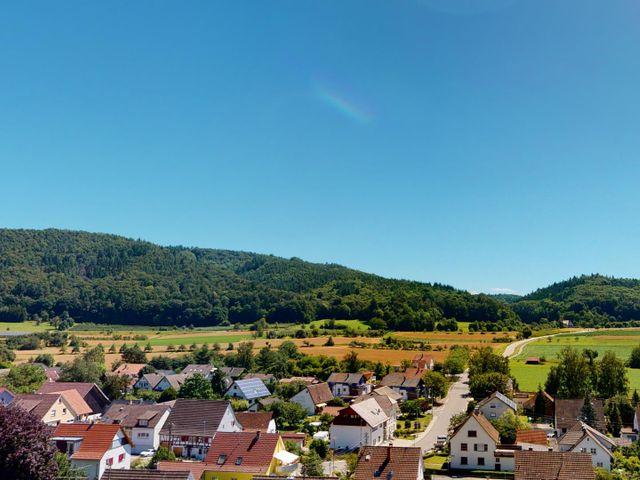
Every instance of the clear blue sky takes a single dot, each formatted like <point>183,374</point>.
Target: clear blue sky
<point>485,144</point>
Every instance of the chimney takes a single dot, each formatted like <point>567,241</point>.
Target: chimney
<point>389,452</point>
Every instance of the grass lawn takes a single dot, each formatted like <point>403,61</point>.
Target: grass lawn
<point>424,421</point>
<point>352,324</point>
<point>435,462</point>
<point>28,326</point>
<point>189,339</point>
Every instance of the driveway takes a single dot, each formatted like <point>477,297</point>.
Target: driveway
<point>455,402</point>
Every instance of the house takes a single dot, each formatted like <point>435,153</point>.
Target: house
<point>129,369</point>
<point>313,398</point>
<point>148,381</point>
<point>359,424</point>
<point>250,390</point>
<point>142,423</point>
<point>256,421</point>
<point>171,381</point>
<point>349,384</point>
<point>474,444</point>
<point>265,377</point>
<point>141,474</point>
<point>532,361</point>
<point>241,455</point>
<point>495,405</point>
<point>90,393</point>
<point>94,447</point>
<point>422,361</point>
<point>389,406</point>
<point>192,424</point>
<point>547,401</point>
<point>232,372</point>
<point>569,412</point>
<point>553,466</point>
<point>203,369</point>
<point>6,396</point>
<point>534,439</point>
<point>305,380</point>
<point>51,408</point>
<point>584,439</point>
<point>387,462</point>
<point>387,392</point>
<point>409,384</point>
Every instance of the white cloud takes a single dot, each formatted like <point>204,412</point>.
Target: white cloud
<point>509,291</point>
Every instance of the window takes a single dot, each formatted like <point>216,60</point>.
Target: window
<point>472,434</point>
<point>493,405</point>
<point>486,447</point>
<point>143,422</point>
<point>53,413</point>
<point>109,461</point>
<point>64,411</point>
<point>464,461</point>
<point>493,415</point>
<point>222,459</point>
<point>463,447</point>
<point>238,460</point>
<point>121,458</point>
<point>583,450</point>
<point>600,465</point>
<point>497,459</point>
<point>475,447</point>
<point>143,435</point>
<point>593,451</point>
<point>480,460</point>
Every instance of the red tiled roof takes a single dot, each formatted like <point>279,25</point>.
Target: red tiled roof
<point>537,437</point>
<point>128,415</point>
<point>374,462</point>
<point>320,393</point>
<point>76,402</point>
<point>532,465</point>
<point>37,404</point>
<point>130,369</point>
<point>196,468</point>
<point>253,421</point>
<point>242,452</point>
<point>97,438</point>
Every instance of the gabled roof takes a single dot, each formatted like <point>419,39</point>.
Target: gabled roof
<point>370,411</point>
<point>569,412</point>
<point>387,392</point>
<point>349,378</point>
<point>483,423</point>
<point>84,389</point>
<point>307,380</point>
<point>192,417</point>
<point>320,393</point>
<point>252,388</point>
<point>254,421</point>
<point>175,381</point>
<point>35,403</point>
<point>581,430</point>
<point>129,369</point>
<point>153,379</point>
<point>400,463</point>
<point>241,452</point>
<point>531,465</point>
<point>407,379</point>
<point>233,372</point>
<point>535,436</point>
<point>140,474</point>
<point>386,403</point>
<point>195,468</point>
<point>129,415</point>
<point>97,438</point>
<point>265,377</point>
<point>202,369</point>
<point>76,402</point>
<point>501,397</point>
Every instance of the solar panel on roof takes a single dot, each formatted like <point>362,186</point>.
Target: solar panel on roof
<point>253,388</point>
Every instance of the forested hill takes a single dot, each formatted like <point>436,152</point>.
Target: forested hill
<point>588,300</point>
<point>110,279</point>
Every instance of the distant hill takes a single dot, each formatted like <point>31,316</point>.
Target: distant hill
<point>589,300</point>
<point>110,279</point>
<point>506,297</point>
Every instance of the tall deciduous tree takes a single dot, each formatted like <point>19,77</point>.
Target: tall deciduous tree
<point>196,386</point>
<point>25,451</point>
<point>612,376</point>
<point>570,378</point>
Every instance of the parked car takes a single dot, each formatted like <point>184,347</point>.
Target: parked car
<point>147,453</point>
<point>441,441</point>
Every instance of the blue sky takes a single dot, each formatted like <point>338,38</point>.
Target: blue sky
<point>485,144</point>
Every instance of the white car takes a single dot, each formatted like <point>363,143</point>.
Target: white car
<point>147,453</point>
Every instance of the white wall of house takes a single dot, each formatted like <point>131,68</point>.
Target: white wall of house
<point>95,469</point>
<point>534,447</point>
<point>506,464</point>
<point>495,409</point>
<point>401,391</point>
<point>601,457</point>
<point>468,451</point>
<point>350,437</point>
<point>229,422</point>
<point>304,399</point>
<point>142,384</point>
<point>340,390</point>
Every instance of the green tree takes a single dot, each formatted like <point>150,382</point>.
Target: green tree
<point>311,465</point>
<point>219,382</point>
<point>6,356</point>
<point>320,447</point>
<point>115,386</point>
<point>329,342</point>
<point>614,420</point>
<point>411,408</point>
<point>539,406</point>
<point>508,425</point>
<point>484,360</point>
<point>351,363</point>
<point>288,415</point>
<point>635,398</point>
<point>435,384</point>
<point>483,385</point>
<point>45,359</point>
<point>197,387</point>
<point>588,412</point>
<point>244,355</point>
<point>134,354</point>
<point>25,378</point>
<point>66,471</point>
<point>168,394</point>
<point>162,454</point>
<point>570,377</point>
<point>612,376</point>
<point>634,358</point>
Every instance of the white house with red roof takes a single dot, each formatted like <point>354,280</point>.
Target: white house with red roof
<point>94,448</point>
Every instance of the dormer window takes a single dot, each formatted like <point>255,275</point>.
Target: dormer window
<point>239,461</point>
<point>221,459</point>
<point>143,422</point>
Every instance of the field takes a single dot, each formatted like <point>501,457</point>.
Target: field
<point>29,326</point>
<point>621,342</point>
<point>356,325</point>
<point>436,344</point>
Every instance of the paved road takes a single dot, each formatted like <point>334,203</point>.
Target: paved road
<point>515,348</point>
<point>455,402</point>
